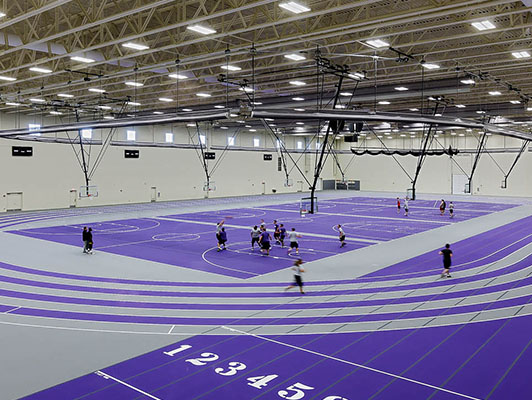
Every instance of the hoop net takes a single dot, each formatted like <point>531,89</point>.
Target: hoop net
<point>88,191</point>
<point>209,186</point>
<point>305,205</point>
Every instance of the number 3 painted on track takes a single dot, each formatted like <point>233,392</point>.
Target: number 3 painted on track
<point>234,367</point>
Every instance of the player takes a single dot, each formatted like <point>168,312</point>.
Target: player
<point>447,253</point>
<point>293,236</point>
<point>451,210</point>
<point>282,234</point>
<point>442,207</point>
<point>89,241</point>
<point>223,238</point>
<point>255,235</point>
<point>406,206</point>
<point>276,232</point>
<point>219,226</point>
<point>341,235</point>
<point>398,205</point>
<point>84,236</point>
<point>264,242</point>
<point>298,270</point>
<point>262,225</point>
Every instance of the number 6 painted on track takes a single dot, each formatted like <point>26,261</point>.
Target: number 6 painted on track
<point>297,388</point>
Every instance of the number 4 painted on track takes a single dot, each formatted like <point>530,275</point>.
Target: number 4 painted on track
<point>259,382</point>
<point>181,348</point>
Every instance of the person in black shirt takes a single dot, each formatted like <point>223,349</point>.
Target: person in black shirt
<point>89,241</point>
<point>85,239</point>
<point>447,253</point>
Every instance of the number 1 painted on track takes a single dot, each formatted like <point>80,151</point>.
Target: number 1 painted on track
<point>181,348</point>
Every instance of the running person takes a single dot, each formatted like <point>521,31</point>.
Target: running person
<point>442,207</point>
<point>447,253</point>
<point>341,235</point>
<point>451,209</point>
<point>264,242</point>
<point>398,205</point>
<point>406,207</point>
<point>293,236</point>
<point>255,235</point>
<point>218,234</point>
<point>298,270</point>
<point>276,232</point>
<point>282,234</point>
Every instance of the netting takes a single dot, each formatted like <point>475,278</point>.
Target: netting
<point>305,206</point>
<point>88,191</point>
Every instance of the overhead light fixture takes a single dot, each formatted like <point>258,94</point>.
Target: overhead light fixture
<point>468,81</point>
<point>38,100</point>
<point>298,98</point>
<point>515,102</point>
<point>246,89</point>
<point>133,103</point>
<point>96,90</point>
<point>219,106</point>
<point>299,109</point>
<point>82,59</point>
<point>521,54</point>
<point>7,78</point>
<point>190,125</point>
<point>41,70</point>
<point>339,106</point>
<point>135,46</point>
<point>66,95</point>
<point>345,94</point>
<point>165,99</point>
<point>158,112</point>
<point>300,123</point>
<point>13,104</point>
<point>378,43</point>
<point>414,109</point>
<point>201,29</point>
<point>2,15</point>
<point>203,95</point>
<point>460,106</point>
<point>430,66</point>
<point>297,83</point>
<point>294,57</point>
<point>135,84</point>
<point>231,68</point>
<point>481,112</point>
<point>401,88</point>
<point>495,93</point>
<point>187,109</point>
<point>56,113</point>
<point>253,130</point>
<point>529,108</point>
<point>104,107</point>
<point>437,115</point>
<point>356,75</point>
<point>384,102</point>
<point>108,117</point>
<point>257,103</point>
<point>178,76</point>
<point>483,25</point>
<point>294,7</point>
<point>224,127</point>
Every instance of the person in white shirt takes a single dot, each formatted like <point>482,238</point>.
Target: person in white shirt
<point>293,236</point>
<point>298,271</point>
<point>406,207</point>
<point>255,235</point>
<point>341,235</point>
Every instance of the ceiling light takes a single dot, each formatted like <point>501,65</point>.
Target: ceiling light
<point>135,46</point>
<point>187,109</point>
<point>246,89</point>
<point>468,81</point>
<point>299,109</point>
<point>345,94</point>
<point>298,98</point>
<point>178,76</point>
<point>7,78</point>
<point>339,106</point>
<point>95,90</point>
<point>201,29</point>
<point>414,109</point>
<point>158,112</point>
<point>2,15</point>
<point>461,134</point>
<point>295,57</point>
<point>13,104</point>
<point>82,59</point>
<point>460,106</point>
<point>231,68</point>
<point>521,54</point>
<point>133,103</point>
<point>437,115</point>
<point>104,107</point>
<point>203,95</point>
<point>68,96</point>
<point>108,117</point>
<point>430,66</point>
<point>515,102</point>
<point>529,108</point>
<point>136,84</point>
<point>297,83</point>
<point>356,75</point>
<point>41,70</point>
<point>219,106</point>
<point>401,88</point>
<point>384,102</point>
<point>56,113</point>
<point>300,123</point>
<point>38,100</point>
<point>191,125</point>
<point>253,130</point>
<point>495,93</point>
<point>165,99</point>
<point>257,103</point>
<point>224,127</point>
<point>483,25</point>
<point>378,43</point>
<point>294,7</point>
<point>481,112</point>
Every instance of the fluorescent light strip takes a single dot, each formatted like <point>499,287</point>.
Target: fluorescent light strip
<point>178,76</point>
<point>231,68</point>
<point>401,88</point>
<point>135,46</point>
<point>201,29</point>
<point>495,93</point>
<point>384,102</point>
<point>515,102</point>
<point>294,7</point>
<point>521,54</point>
<point>68,96</point>
<point>96,90</point>
<point>378,43</point>
<point>165,99</point>
<point>297,83</point>
<point>468,81</point>
<point>104,107</point>
<point>13,104</point>
<point>298,98</point>
<point>205,94</point>
<point>108,117</point>
<point>460,106</point>
<point>483,25</point>
<point>41,70</point>
<point>430,66</point>
<point>135,84</point>
<point>82,59</point>
<point>7,78</point>
<point>132,103</point>
<point>294,57</point>
<point>56,113</point>
<point>38,100</point>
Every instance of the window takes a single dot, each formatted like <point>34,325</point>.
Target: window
<point>86,133</point>
<point>169,137</point>
<point>34,127</point>
<point>230,141</point>
<point>299,145</point>
<point>278,144</point>
<point>256,142</point>
<point>318,146</point>
<point>203,140</point>
<point>131,135</point>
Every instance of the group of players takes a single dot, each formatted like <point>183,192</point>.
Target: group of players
<point>443,206</point>
<point>262,238</point>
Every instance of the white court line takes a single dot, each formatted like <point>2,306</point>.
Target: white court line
<point>355,239</point>
<point>106,376</point>
<point>13,309</point>
<point>171,329</point>
<point>353,364</point>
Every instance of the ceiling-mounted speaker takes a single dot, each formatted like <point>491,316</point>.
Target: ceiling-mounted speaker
<point>359,126</point>
<point>337,125</point>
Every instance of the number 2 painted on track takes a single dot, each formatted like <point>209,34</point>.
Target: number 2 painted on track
<point>204,359</point>
<point>181,348</point>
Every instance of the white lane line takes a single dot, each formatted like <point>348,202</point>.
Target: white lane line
<point>465,396</point>
<point>12,309</point>
<point>106,376</point>
<point>171,329</point>
<point>353,239</point>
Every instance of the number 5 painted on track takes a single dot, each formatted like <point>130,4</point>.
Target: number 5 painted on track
<point>334,398</point>
<point>297,388</point>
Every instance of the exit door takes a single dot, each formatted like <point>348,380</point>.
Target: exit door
<point>73,198</point>
<point>153,194</point>
<point>14,201</point>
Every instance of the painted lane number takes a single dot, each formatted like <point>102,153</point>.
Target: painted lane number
<point>259,382</point>
<point>234,367</point>
<point>181,348</point>
<point>204,359</point>
<point>298,388</point>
